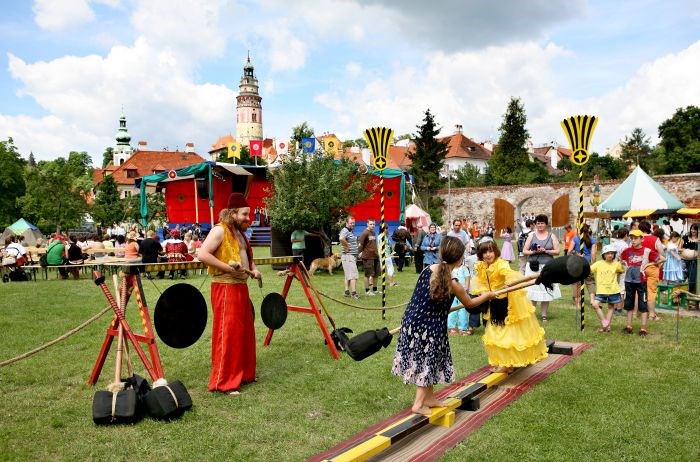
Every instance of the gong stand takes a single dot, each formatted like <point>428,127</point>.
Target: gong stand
<point>295,272</point>
<point>131,282</point>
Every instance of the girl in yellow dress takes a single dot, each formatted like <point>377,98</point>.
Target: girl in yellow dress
<point>513,337</point>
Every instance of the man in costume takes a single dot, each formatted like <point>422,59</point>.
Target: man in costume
<point>229,258</point>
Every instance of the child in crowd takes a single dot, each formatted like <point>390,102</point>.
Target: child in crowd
<point>423,353</point>
<point>673,266</point>
<point>606,273</point>
<point>512,338</point>
<point>458,318</point>
<point>636,258</point>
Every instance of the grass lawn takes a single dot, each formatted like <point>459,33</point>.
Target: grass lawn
<point>626,398</point>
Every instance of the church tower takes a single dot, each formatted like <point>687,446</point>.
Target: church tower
<point>248,107</point>
<point>123,150</point>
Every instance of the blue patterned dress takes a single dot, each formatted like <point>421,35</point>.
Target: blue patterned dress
<point>423,353</point>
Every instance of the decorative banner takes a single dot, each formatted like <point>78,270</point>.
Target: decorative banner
<point>308,145</point>
<point>255,148</point>
<point>329,146</point>
<point>579,131</point>
<point>234,149</point>
<point>379,139</point>
<point>282,146</point>
<point>172,174</point>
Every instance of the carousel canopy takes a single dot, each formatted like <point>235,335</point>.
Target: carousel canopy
<point>639,196</point>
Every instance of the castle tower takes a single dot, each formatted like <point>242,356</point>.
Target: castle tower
<point>123,150</point>
<point>248,107</point>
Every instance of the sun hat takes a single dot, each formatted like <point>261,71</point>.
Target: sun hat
<point>609,248</point>
<point>637,233</point>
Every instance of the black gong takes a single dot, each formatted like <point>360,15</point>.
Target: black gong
<point>273,310</point>
<point>180,315</point>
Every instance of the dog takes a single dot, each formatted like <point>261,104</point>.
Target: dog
<point>329,263</point>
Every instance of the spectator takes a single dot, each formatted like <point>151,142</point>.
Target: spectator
<point>540,248</point>
<point>367,245</point>
<point>430,246</point>
<point>348,257</point>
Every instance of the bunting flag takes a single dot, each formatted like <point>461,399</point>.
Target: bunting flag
<point>330,146</point>
<point>308,145</point>
<point>282,146</point>
<point>256,148</point>
<point>234,149</point>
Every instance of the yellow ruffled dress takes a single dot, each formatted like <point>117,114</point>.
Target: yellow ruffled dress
<point>519,342</point>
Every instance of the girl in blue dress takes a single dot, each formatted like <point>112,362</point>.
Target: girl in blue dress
<point>423,353</point>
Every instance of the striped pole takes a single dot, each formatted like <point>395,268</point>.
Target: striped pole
<point>579,130</point>
<point>379,139</point>
<point>581,300</point>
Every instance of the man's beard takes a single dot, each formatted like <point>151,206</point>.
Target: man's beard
<point>241,225</point>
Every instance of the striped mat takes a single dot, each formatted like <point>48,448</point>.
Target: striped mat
<point>432,441</point>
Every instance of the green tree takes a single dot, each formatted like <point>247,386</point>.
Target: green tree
<point>12,185</point>
<point>108,208</point>
<point>467,177</point>
<point>637,150</point>
<point>426,164</point>
<point>56,192</point>
<point>510,163</point>
<point>32,161</point>
<point>680,141</point>
<point>156,208</point>
<point>313,192</point>
<point>299,132</point>
<point>107,157</point>
<point>606,167</point>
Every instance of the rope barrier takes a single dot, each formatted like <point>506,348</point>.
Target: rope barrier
<point>367,308</point>
<point>56,340</point>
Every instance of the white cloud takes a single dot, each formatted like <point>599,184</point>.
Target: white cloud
<point>650,97</point>
<point>191,28</point>
<point>57,15</point>
<point>162,103</point>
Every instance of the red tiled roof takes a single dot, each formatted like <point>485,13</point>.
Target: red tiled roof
<point>222,142</point>
<point>148,162</point>
<point>460,146</point>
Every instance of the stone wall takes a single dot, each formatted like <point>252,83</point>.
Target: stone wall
<point>477,203</point>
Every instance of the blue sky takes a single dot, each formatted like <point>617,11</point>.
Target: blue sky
<point>67,67</point>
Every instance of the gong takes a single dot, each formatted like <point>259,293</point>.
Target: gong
<point>273,310</point>
<point>180,315</point>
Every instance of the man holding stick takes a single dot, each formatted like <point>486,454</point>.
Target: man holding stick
<point>229,258</point>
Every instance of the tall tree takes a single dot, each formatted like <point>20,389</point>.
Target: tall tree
<point>314,192</point>
<point>12,183</point>
<point>108,208</point>
<point>680,141</point>
<point>107,157</point>
<point>56,192</point>
<point>32,161</point>
<point>510,163</point>
<point>427,162</point>
<point>637,150</point>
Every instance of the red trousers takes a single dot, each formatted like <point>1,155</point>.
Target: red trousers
<point>232,338</point>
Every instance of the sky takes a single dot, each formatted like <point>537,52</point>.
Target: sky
<point>70,68</point>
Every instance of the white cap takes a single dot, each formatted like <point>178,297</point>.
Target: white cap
<point>609,248</point>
